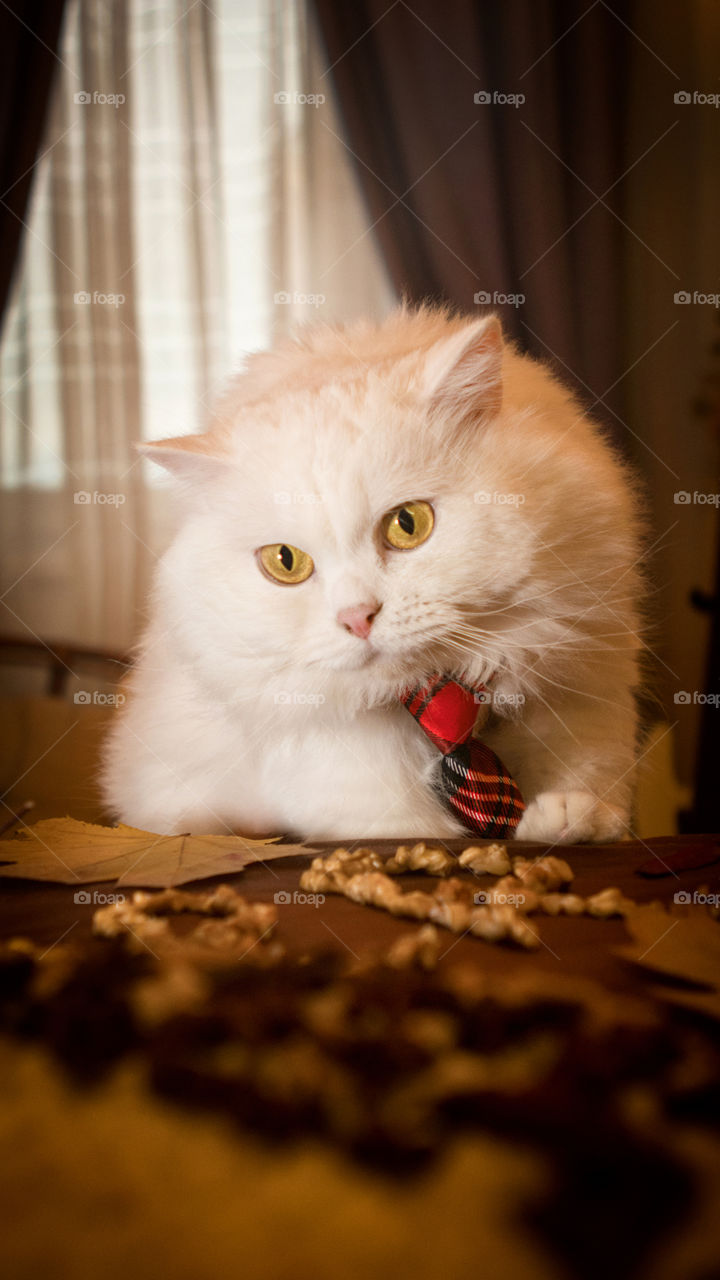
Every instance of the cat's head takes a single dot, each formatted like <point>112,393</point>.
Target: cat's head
<point>341,529</point>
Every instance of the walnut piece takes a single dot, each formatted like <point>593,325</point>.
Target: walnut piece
<point>562,904</point>
<point>230,920</point>
<point>545,875</point>
<point>609,902</point>
<point>492,860</point>
<point>496,914</point>
<point>449,906</point>
<point>419,949</point>
<point>418,857</point>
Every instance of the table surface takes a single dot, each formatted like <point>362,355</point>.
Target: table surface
<point>205,1199</point>
<point>47,913</point>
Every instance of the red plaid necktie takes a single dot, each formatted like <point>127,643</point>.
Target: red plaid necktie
<point>475,782</point>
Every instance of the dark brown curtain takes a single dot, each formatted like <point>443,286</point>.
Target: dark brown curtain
<point>471,197</point>
<point>29,35</point>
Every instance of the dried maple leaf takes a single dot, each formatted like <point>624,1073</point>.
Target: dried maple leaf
<point>682,943</point>
<point>72,852</point>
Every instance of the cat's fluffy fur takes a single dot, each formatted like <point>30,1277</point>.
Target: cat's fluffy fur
<point>251,708</point>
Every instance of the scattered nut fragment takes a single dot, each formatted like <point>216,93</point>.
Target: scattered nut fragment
<point>543,874</point>
<point>314,880</point>
<point>445,907</point>
<point>501,923</point>
<point>337,866</point>
<point>222,901</point>
<point>419,949</point>
<point>496,914</point>
<point>455,916</point>
<point>492,860</point>
<point>176,988</point>
<point>456,889</point>
<point>429,1029</point>
<point>325,1011</point>
<point>231,920</point>
<point>562,904</point>
<point>218,933</point>
<point>21,947</point>
<point>346,861</point>
<point>377,890</point>
<point>51,976</point>
<point>609,902</point>
<point>389,1065</point>
<point>121,918</point>
<point>418,857</point>
<point>510,891</point>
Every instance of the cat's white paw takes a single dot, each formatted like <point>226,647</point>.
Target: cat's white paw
<point>570,817</point>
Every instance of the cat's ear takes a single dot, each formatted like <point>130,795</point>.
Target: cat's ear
<point>463,373</point>
<point>188,457</point>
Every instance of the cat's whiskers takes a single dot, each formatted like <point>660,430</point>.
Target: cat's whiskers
<point>517,602</point>
<point>549,680</point>
<point>551,709</point>
<point>579,640</point>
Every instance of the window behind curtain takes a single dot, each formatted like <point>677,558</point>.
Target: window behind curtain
<point>168,233</point>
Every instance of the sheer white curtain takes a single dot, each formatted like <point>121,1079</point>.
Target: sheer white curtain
<point>193,198</point>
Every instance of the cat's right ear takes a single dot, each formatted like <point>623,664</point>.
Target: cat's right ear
<point>190,458</point>
<point>463,372</point>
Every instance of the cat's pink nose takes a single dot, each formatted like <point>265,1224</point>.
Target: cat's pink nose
<point>358,618</point>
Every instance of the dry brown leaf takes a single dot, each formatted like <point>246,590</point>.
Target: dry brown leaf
<point>681,943</point>
<point>72,852</point>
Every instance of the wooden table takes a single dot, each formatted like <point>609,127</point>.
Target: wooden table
<point>113,1180</point>
<point>46,913</point>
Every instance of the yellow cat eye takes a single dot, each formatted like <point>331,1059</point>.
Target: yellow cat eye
<point>407,526</point>
<point>284,563</point>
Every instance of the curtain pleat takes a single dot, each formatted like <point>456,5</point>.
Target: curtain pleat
<point>29,60</point>
<point>482,133</point>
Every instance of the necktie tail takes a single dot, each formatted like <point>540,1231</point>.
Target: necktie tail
<point>476,784</point>
<point>481,791</point>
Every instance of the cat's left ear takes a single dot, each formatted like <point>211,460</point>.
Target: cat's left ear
<point>192,458</point>
<point>463,373</point>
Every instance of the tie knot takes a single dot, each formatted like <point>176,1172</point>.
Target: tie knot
<point>445,709</point>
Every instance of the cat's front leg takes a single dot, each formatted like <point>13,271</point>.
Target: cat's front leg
<point>575,769</point>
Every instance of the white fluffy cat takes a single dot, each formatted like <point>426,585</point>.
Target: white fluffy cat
<point>286,619</point>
